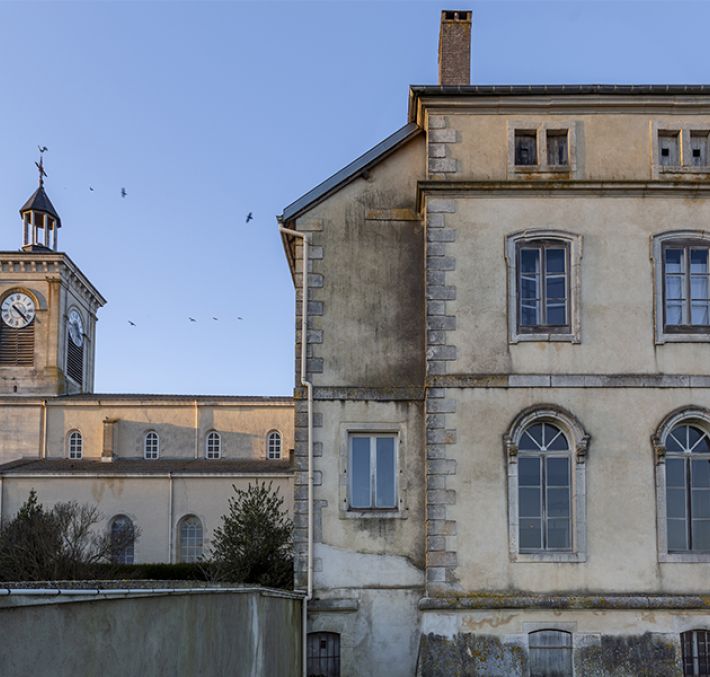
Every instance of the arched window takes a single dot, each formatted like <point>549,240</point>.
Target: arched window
<point>151,445</point>
<point>122,540</point>
<point>546,451</point>
<point>190,539</point>
<point>696,653</point>
<point>550,653</point>
<point>213,445</point>
<point>273,445</point>
<point>75,444</point>
<point>323,654</point>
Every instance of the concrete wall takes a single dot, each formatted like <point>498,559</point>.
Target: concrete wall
<point>221,633</point>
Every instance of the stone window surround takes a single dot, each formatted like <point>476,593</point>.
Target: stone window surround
<point>345,512</point>
<point>579,442</point>
<point>657,244</point>
<point>574,293</point>
<point>541,129</point>
<point>688,414</point>
<point>684,130</point>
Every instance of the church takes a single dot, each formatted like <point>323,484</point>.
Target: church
<point>160,465</point>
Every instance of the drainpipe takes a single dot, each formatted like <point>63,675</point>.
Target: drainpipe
<point>43,450</point>
<point>197,432</point>
<point>170,518</point>
<point>309,396</point>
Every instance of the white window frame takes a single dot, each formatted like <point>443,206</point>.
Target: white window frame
<point>274,445</point>
<point>573,243</point>
<point>541,130</point>
<point>578,440</point>
<point>700,417</point>
<point>181,546</point>
<point>75,451</point>
<point>132,546</point>
<point>685,161</point>
<point>209,448</point>
<point>398,430</point>
<point>153,452</point>
<point>658,242</point>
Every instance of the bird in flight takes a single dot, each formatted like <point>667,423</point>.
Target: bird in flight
<point>240,318</point>
<point>215,318</point>
<point>91,188</point>
<point>192,319</point>
<point>123,192</point>
<point>43,149</point>
<point>133,324</point>
<point>250,217</point>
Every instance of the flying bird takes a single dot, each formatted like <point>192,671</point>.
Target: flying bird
<point>123,192</point>
<point>133,324</point>
<point>250,217</point>
<point>215,318</point>
<point>43,149</point>
<point>240,318</point>
<point>192,319</point>
<point>91,188</point>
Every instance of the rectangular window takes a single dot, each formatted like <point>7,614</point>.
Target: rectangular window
<point>668,149</point>
<point>543,287</point>
<point>373,471</point>
<point>550,653</point>
<point>696,653</point>
<point>686,287</point>
<point>557,154</point>
<point>525,148</point>
<point>699,149</point>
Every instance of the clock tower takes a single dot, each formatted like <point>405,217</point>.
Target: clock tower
<point>47,310</point>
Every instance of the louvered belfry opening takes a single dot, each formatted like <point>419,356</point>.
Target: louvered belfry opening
<point>75,361</point>
<point>17,345</point>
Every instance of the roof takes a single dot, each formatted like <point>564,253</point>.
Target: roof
<point>351,171</point>
<point>140,466</point>
<point>142,397</point>
<point>39,201</point>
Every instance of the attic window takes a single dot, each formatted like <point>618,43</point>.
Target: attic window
<point>525,148</point>
<point>668,149</point>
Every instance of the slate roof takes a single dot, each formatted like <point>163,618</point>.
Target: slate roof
<point>140,466</point>
<point>39,201</point>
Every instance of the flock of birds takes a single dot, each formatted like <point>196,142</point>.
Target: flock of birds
<point>124,193</point>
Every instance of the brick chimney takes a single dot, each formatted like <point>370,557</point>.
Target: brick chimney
<point>455,47</point>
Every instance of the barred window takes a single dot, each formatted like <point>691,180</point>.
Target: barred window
<point>75,444</point>
<point>323,654</point>
<point>213,445</point>
<point>190,535</point>
<point>273,445</point>
<point>151,445</point>
<point>696,653</point>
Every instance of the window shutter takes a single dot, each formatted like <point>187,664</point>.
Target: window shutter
<point>17,346</point>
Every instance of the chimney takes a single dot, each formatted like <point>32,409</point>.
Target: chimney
<point>455,47</point>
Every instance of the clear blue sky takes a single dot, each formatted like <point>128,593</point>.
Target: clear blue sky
<point>206,111</point>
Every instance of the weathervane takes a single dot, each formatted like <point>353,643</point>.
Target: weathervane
<point>40,165</point>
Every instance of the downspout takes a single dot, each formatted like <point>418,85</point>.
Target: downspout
<point>197,434</point>
<point>309,397</point>
<point>43,450</point>
<point>170,518</point>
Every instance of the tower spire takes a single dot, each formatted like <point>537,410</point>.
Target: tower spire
<point>40,221</point>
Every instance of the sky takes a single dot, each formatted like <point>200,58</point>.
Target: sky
<point>206,111</point>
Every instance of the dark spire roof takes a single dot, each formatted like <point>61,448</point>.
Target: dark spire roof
<point>40,202</point>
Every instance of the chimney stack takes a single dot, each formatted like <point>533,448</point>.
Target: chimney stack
<point>455,47</point>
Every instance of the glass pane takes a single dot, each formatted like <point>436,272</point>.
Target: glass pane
<point>529,314</point>
<point>385,473</point>
<point>699,314</point>
<point>700,506</point>
<point>529,502</point>
<point>556,441</point>
<point>701,535</point>
<point>558,472</point>
<point>675,472</point>
<point>699,287</point>
<point>675,503</point>
<point>556,287</point>
<point>529,260</point>
<point>697,440</point>
<point>532,438</point>
<point>530,534</point>
<point>529,472</point>
<point>676,439</point>
<point>674,313</point>
<point>674,287</point>
<point>360,473</point>
<point>700,474</point>
<point>558,533</point>
<point>528,287</point>
<point>558,502</point>
<point>556,315</point>
<point>674,260</point>
<point>555,260</point>
<point>698,260</point>
<point>677,535</point>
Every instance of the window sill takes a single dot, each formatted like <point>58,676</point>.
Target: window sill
<point>376,513</point>
<point>545,336</point>
<point>529,557</point>
<point>560,170</point>
<point>683,338</point>
<point>667,169</point>
<point>684,557</point>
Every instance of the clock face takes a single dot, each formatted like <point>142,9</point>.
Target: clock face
<point>18,310</point>
<point>76,328</point>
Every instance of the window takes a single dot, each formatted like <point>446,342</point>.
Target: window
<point>543,286</point>
<point>75,444</point>
<point>550,653</point>
<point>699,149</point>
<point>669,148</point>
<point>213,445</point>
<point>696,653</point>
<point>373,471</point>
<point>557,147</point>
<point>122,540</point>
<point>151,445</point>
<point>682,290</point>
<point>190,539</point>
<point>273,445</point>
<point>323,654</point>
<point>525,147</point>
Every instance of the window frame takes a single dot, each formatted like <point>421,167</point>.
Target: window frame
<point>128,549</point>
<point>182,522</point>
<point>685,132</point>
<point>270,437</point>
<point>533,237</point>
<point>578,443</point>
<point>209,452</point>
<point>695,416</point>
<point>568,649</point>
<point>690,636</point>
<point>542,130</point>
<point>72,435</point>
<point>659,244</point>
<point>154,454</point>
<point>373,437</point>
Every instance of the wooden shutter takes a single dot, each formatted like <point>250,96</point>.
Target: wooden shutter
<point>75,361</point>
<point>17,346</point>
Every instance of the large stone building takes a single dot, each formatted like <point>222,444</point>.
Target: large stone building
<point>506,392</point>
<point>164,464</point>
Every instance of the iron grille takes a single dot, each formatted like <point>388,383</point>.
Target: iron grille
<point>17,346</point>
<point>323,654</point>
<point>696,653</point>
<point>75,361</point>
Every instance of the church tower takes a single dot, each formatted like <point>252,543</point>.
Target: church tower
<point>47,309</point>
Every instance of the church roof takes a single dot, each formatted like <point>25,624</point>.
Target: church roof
<point>39,201</point>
